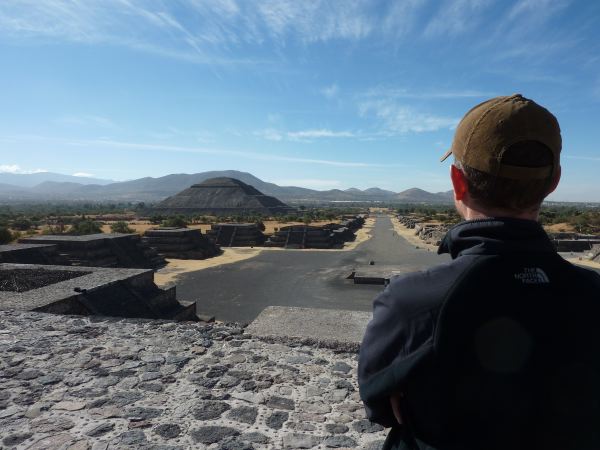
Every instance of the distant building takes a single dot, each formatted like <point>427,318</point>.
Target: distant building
<point>221,196</point>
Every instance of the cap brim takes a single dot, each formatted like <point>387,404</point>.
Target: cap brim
<point>448,153</point>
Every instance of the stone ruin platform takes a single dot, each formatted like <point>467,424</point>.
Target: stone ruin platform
<point>31,254</point>
<point>97,383</point>
<point>89,291</point>
<point>375,274</point>
<point>180,243</point>
<point>306,236</point>
<point>326,327</point>
<point>102,250</point>
<point>236,235</point>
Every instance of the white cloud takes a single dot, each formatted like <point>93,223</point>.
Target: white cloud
<point>318,133</point>
<point>16,169</point>
<point>330,91</point>
<point>396,92</point>
<point>272,134</point>
<point>400,119</point>
<point>456,17</point>
<point>105,143</point>
<point>86,120</point>
<point>83,175</point>
<point>202,31</point>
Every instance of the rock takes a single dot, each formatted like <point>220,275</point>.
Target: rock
<point>15,439</point>
<point>366,426</point>
<point>335,428</point>
<point>140,413</point>
<point>298,359</point>
<point>28,374</point>
<point>314,407</point>
<point>54,441</point>
<point>99,430</point>
<point>277,419</point>
<point>297,440</point>
<point>152,387</point>
<point>49,379</point>
<point>51,424</point>
<point>212,434</point>
<point>208,410</point>
<point>148,376</point>
<point>216,371</point>
<point>276,402</point>
<point>168,430</point>
<point>245,414</point>
<point>339,441</point>
<point>255,437</point>
<point>132,437</point>
<point>78,445</point>
<point>153,358</point>
<point>374,445</point>
<point>105,412</point>
<point>341,366</point>
<point>313,391</point>
<point>235,444</point>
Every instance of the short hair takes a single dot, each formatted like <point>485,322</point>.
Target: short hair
<point>490,191</point>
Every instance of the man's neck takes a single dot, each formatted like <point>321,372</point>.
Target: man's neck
<point>469,213</point>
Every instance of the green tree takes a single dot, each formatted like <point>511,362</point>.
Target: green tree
<point>85,226</point>
<point>5,235</point>
<point>121,227</point>
<point>176,222</point>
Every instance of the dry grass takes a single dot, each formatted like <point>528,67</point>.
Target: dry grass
<point>167,276</point>
<point>560,228</point>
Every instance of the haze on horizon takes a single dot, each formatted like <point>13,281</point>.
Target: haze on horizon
<point>318,94</point>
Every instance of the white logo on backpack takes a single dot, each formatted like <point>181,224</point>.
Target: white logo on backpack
<point>532,275</point>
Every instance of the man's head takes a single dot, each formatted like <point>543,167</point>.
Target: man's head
<point>507,158</point>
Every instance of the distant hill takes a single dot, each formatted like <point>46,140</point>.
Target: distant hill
<point>58,187</point>
<point>33,179</point>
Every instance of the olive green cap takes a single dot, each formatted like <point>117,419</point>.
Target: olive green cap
<point>490,128</point>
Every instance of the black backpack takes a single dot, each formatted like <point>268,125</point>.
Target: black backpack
<point>514,362</point>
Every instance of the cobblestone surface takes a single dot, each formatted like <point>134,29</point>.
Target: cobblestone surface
<point>96,384</point>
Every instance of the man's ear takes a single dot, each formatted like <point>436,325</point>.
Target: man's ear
<point>459,182</point>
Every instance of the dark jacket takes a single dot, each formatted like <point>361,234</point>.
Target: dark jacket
<point>405,314</point>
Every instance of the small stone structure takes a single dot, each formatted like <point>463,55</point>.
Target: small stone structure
<point>180,243</point>
<point>89,291</point>
<point>221,196</point>
<point>431,234</point>
<point>574,242</point>
<point>103,250</point>
<point>301,236</point>
<point>236,235</point>
<point>306,236</point>
<point>31,254</point>
<point>594,254</point>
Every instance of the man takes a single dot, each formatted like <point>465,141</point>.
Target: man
<point>497,349</point>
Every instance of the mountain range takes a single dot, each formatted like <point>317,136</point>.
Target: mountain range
<point>47,186</point>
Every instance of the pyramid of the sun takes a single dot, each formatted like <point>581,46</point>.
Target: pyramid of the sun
<point>221,196</point>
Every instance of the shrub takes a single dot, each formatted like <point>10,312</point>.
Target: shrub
<point>177,222</point>
<point>21,224</point>
<point>5,235</point>
<point>85,226</point>
<point>121,227</point>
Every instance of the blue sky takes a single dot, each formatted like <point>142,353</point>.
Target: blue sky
<point>321,94</point>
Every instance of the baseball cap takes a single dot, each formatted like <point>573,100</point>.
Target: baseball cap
<point>490,128</point>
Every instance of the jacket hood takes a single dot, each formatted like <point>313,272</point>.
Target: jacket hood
<point>492,236</point>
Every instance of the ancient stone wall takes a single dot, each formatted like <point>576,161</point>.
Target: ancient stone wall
<point>97,383</point>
